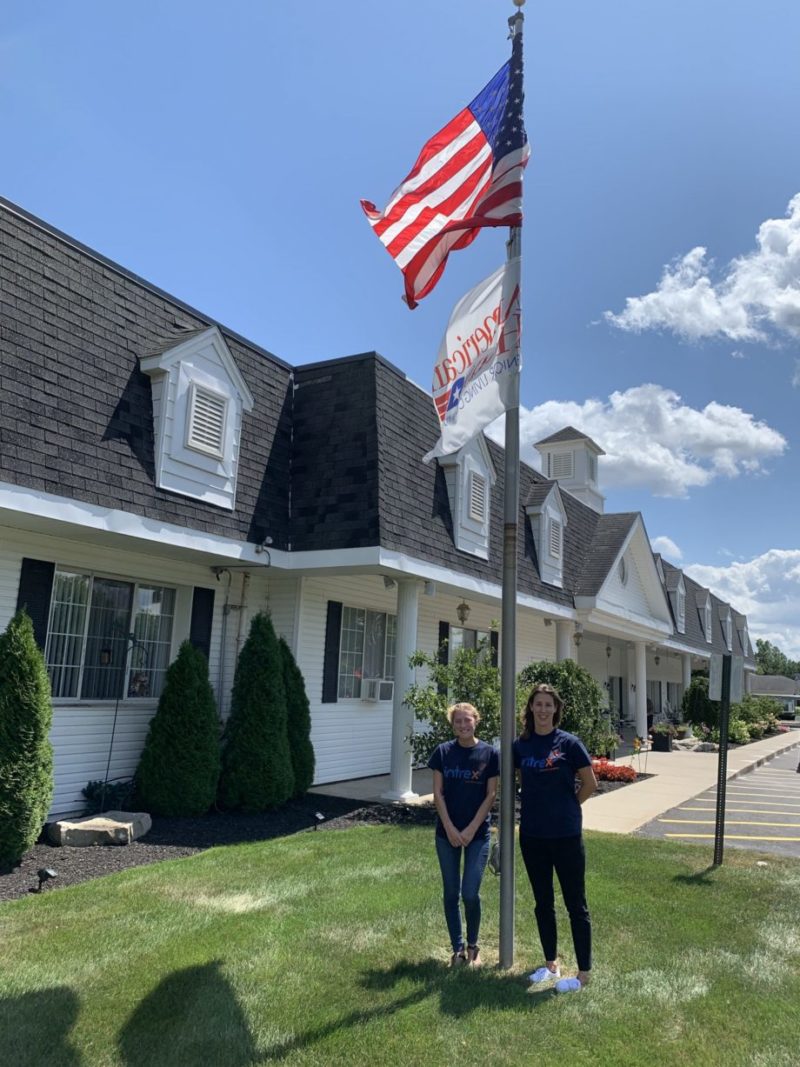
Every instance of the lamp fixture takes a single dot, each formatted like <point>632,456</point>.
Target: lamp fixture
<point>44,874</point>
<point>657,659</point>
<point>462,611</point>
<point>608,651</point>
<point>388,583</point>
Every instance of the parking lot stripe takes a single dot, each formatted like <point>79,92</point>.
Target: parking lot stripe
<point>730,822</point>
<point>744,811</point>
<point>736,837</point>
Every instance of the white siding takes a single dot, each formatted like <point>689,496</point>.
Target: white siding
<point>81,732</point>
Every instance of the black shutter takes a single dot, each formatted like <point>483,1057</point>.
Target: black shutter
<point>494,638</point>
<point>330,662</point>
<point>443,649</point>
<point>35,587</point>
<point>202,615</point>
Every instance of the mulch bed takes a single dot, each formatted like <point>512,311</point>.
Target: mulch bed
<point>171,839</point>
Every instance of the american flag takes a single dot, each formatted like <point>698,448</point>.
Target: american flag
<point>467,176</point>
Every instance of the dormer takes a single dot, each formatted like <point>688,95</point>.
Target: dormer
<point>727,625</point>
<point>548,518</point>
<point>570,458</point>
<point>199,396</point>
<point>676,591</point>
<point>742,634</point>
<point>470,475</point>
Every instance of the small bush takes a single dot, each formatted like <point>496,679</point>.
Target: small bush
<point>26,755</point>
<point>118,795</point>
<point>179,767</point>
<point>298,722</point>
<point>256,762</point>
<point>610,772</point>
<point>696,707</point>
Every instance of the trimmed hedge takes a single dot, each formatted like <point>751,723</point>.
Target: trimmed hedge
<point>26,755</point>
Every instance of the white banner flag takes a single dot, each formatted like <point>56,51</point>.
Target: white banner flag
<point>478,359</point>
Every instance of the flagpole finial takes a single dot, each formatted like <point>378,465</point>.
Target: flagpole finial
<point>519,3</point>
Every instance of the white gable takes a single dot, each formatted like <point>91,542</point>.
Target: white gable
<point>548,525</point>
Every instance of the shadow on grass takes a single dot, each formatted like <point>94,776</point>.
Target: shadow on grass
<point>34,1028</point>
<point>460,992</point>
<point>698,878</point>
<point>192,1016</point>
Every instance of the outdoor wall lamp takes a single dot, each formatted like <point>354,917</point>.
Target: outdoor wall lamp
<point>608,651</point>
<point>578,635</point>
<point>462,611</point>
<point>657,660</point>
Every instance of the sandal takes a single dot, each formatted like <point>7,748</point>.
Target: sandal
<point>473,956</point>
<point>458,958</point>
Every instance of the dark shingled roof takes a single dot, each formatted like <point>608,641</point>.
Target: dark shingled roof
<point>774,685</point>
<point>608,538</point>
<point>569,433</point>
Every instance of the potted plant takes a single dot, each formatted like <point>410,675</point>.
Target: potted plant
<point>662,734</point>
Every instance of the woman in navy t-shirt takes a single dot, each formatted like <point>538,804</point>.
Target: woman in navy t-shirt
<point>465,773</point>
<point>549,761</point>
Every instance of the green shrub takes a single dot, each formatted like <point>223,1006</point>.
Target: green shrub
<point>696,707</point>
<point>756,730</point>
<point>756,709</point>
<point>738,732</point>
<point>256,762</point>
<point>179,768</point>
<point>471,678</point>
<point>26,755</point>
<point>582,696</point>
<point>117,796</point>
<point>298,722</point>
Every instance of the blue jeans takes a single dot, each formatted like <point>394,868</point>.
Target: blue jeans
<point>466,888</point>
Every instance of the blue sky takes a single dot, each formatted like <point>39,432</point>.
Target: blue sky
<point>222,153</point>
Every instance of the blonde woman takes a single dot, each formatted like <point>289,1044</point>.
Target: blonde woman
<point>549,761</point>
<point>465,774</point>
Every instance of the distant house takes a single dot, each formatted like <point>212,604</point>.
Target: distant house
<point>785,690</point>
<point>162,478</point>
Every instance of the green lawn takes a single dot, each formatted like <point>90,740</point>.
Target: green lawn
<point>330,948</point>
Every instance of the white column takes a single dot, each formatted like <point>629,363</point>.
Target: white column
<point>564,631</point>
<point>402,716</point>
<point>640,681</point>
<point>686,665</point>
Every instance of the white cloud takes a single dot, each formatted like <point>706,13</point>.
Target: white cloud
<point>756,295</point>
<point>766,589</point>
<point>666,547</point>
<point>796,375</point>
<point>655,441</point>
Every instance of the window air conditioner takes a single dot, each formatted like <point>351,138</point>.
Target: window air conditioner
<point>370,688</point>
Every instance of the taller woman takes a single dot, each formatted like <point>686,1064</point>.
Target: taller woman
<point>465,773</point>
<point>557,777</point>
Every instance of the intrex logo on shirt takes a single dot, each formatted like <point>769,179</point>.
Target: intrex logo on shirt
<point>465,773</point>
<point>546,764</point>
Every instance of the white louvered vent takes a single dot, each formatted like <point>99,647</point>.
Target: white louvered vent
<point>562,465</point>
<point>206,430</point>
<point>477,497</point>
<point>555,538</point>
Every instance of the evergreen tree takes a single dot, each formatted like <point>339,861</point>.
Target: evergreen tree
<point>299,722</point>
<point>179,769</point>
<point>26,755</point>
<point>696,706</point>
<point>256,761</point>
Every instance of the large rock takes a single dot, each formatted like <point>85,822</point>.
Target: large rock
<point>110,828</point>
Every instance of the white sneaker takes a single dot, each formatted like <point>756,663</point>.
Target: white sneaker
<point>543,974</point>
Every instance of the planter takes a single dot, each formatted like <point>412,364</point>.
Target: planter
<point>662,743</point>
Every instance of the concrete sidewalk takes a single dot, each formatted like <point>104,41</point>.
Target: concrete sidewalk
<point>677,776</point>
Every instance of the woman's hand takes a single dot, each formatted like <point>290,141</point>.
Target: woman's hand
<point>467,835</point>
<point>454,836</point>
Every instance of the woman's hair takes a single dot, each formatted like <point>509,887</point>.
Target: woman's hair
<point>463,706</point>
<point>527,716</point>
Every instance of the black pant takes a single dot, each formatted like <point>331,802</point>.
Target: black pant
<point>567,856</point>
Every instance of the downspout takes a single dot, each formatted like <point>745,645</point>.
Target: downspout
<point>241,609</point>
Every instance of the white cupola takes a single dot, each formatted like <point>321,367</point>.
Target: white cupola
<point>570,458</point>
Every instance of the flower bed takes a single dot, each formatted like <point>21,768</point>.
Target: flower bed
<point>605,771</point>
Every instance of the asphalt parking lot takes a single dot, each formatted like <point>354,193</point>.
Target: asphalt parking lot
<point>762,811</point>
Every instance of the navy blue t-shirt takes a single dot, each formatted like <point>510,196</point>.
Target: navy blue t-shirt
<point>466,772</point>
<point>547,764</point>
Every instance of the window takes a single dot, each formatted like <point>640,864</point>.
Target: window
<point>205,424</point>
<point>477,497</point>
<point>708,620</point>
<point>592,467</point>
<point>555,539</point>
<point>681,609</point>
<point>728,632</point>
<point>471,639</point>
<point>89,652</point>
<point>366,651</point>
<point>560,465</point>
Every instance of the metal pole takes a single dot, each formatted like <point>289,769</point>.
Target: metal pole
<point>722,767</point>
<point>508,637</point>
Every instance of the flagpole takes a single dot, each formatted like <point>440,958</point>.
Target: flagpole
<point>508,634</point>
